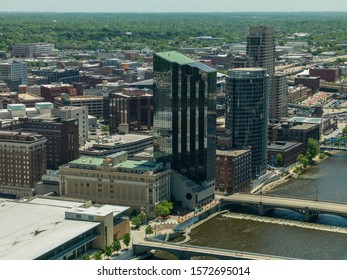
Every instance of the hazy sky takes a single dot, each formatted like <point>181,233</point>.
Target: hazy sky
<point>172,5</point>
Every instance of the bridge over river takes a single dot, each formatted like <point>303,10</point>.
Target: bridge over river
<point>307,207</point>
<point>186,252</point>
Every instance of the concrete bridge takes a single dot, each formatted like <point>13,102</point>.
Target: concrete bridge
<point>186,252</point>
<point>307,207</point>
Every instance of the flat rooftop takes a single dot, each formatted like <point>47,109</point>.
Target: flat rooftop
<point>283,146</point>
<point>31,229</point>
<point>234,153</point>
<point>175,57</point>
<point>112,140</point>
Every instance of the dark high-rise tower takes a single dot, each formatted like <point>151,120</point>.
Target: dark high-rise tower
<point>184,121</point>
<point>247,114</point>
<point>261,50</point>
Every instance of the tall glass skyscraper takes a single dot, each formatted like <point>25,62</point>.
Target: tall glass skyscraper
<point>247,113</point>
<point>184,121</point>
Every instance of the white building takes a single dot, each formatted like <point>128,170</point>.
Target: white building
<point>79,113</point>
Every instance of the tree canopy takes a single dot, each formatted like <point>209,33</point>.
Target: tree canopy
<point>163,209</point>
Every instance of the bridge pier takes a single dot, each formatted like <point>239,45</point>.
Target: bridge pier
<point>307,214</point>
<point>261,209</point>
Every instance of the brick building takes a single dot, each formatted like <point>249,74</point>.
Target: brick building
<point>22,162</point>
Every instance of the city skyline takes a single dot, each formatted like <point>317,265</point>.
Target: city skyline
<point>172,6</point>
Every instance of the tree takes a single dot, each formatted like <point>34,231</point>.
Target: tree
<point>126,239</point>
<point>149,230</point>
<point>85,256</point>
<point>136,221</point>
<point>344,131</point>
<point>163,209</point>
<point>108,251</point>
<point>105,128</point>
<point>279,160</point>
<point>303,160</point>
<point>97,255</point>
<point>313,148</point>
<point>116,246</point>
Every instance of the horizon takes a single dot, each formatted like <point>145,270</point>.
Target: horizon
<point>173,6</point>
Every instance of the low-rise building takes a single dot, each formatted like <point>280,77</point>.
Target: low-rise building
<point>288,150</point>
<point>50,228</point>
<point>116,180</point>
<point>101,145</point>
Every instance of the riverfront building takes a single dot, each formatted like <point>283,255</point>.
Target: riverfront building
<point>233,171</point>
<point>247,114</point>
<point>116,180</point>
<point>185,125</point>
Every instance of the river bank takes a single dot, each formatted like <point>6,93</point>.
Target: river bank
<point>295,172</point>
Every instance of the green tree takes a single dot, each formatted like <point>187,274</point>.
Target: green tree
<point>313,147</point>
<point>344,131</point>
<point>97,255</point>
<point>163,209</point>
<point>85,256</point>
<point>105,128</point>
<point>108,251</point>
<point>136,221</point>
<point>149,229</point>
<point>126,239</point>
<point>279,160</point>
<point>116,246</point>
<point>303,160</point>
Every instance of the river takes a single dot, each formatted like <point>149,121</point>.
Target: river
<point>325,240</point>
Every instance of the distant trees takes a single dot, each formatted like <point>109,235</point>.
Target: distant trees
<point>163,31</point>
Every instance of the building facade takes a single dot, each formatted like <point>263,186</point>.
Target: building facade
<point>247,114</point>
<point>22,162</point>
<point>116,180</point>
<point>233,172</point>
<point>14,73</point>
<point>79,113</point>
<point>261,48</point>
<point>278,96</point>
<point>95,104</point>
<point>184,121</point>
<point>133,108</point>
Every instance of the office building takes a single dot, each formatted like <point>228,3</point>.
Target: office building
<point>49,92</point>
<point>261,48</point>
<point>132,108</point>
<point>184,125</point>
<point>233,172</point>
<point>22,162</point>
<point>95,104</point>
<point>117,180</point>
<point>32,50</point>
<point>79,113</point>
<point>247,114</point>
<point>278,96</point>
<point>14,73</point>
